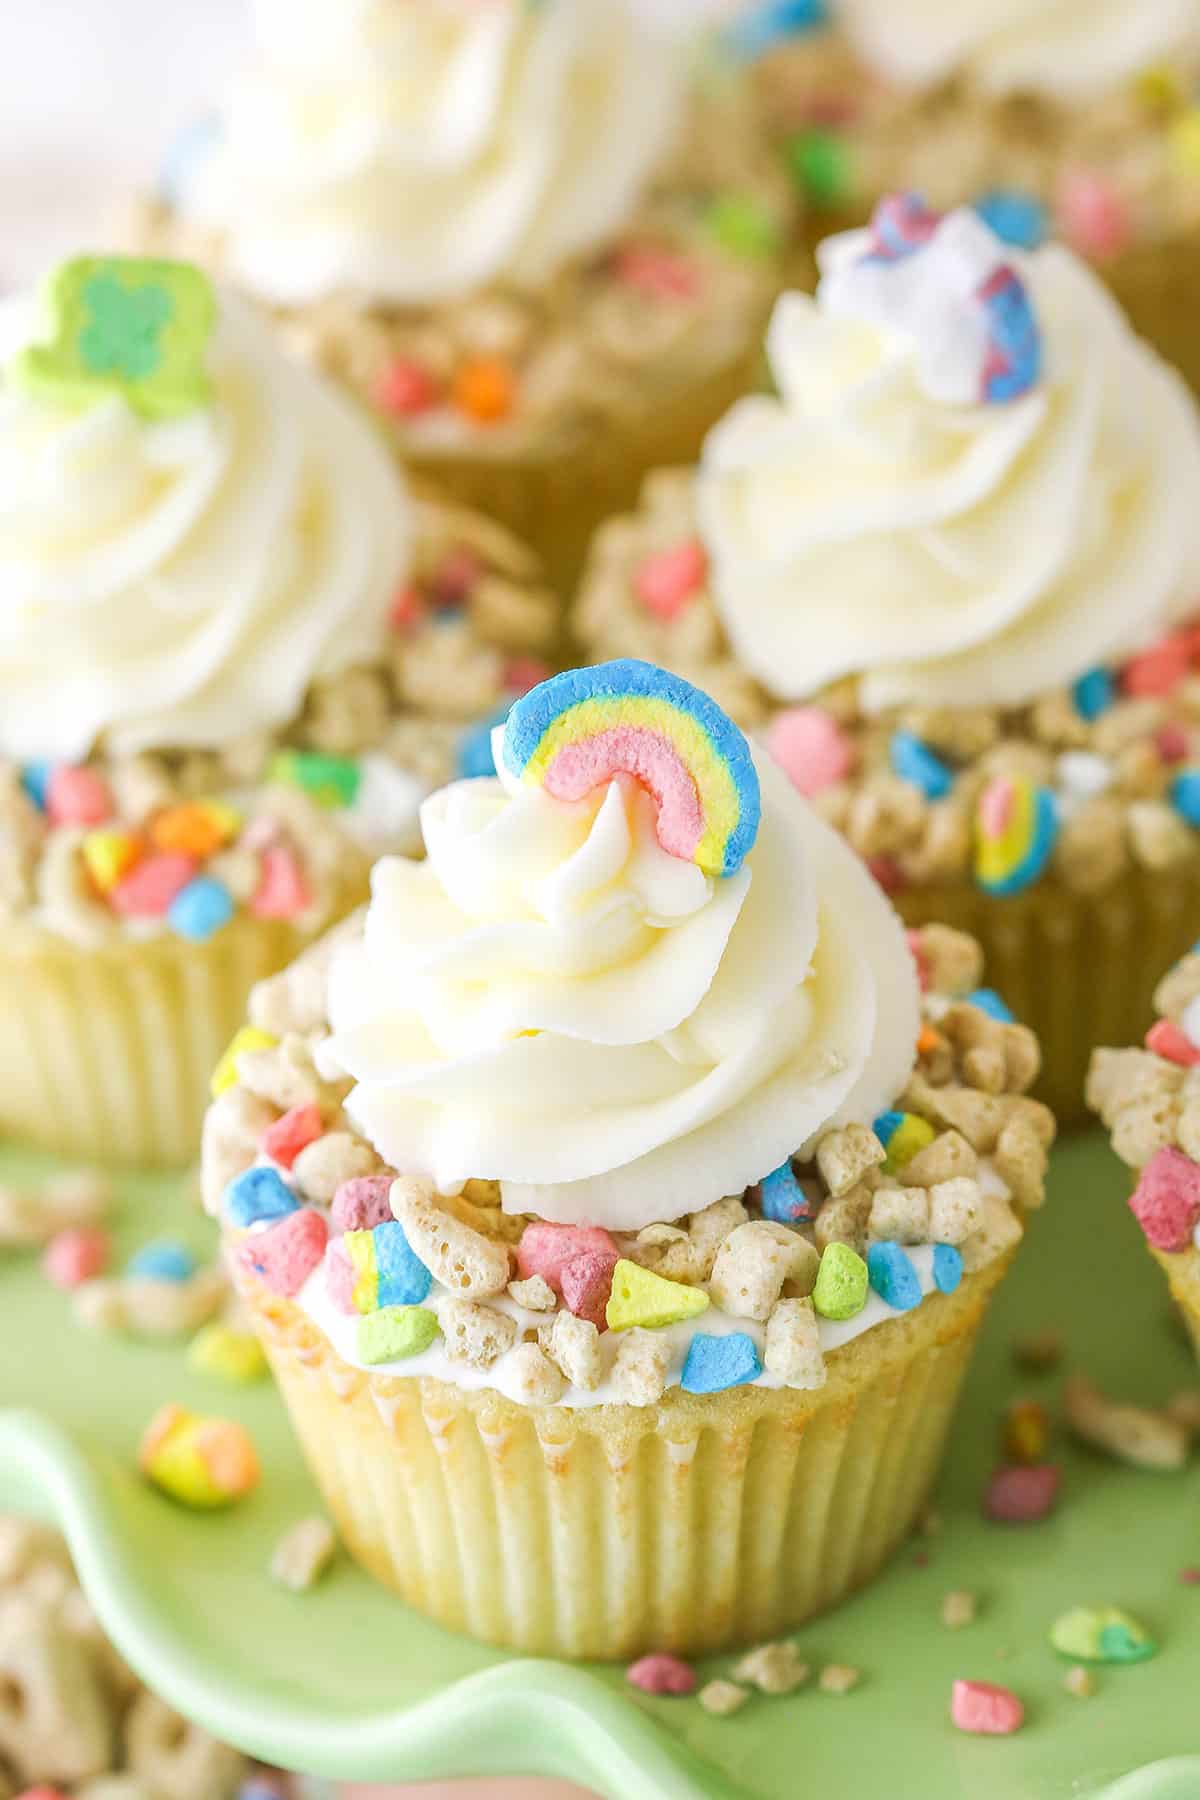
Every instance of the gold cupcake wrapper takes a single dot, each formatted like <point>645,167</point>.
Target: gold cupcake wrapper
<point>610,1531</point>
<point>1182,1270</point>
<point>1156,283</point>
<point>1079,969</point>
<point>107,1050</point>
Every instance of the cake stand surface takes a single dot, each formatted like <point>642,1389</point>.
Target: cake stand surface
<point>345,1682</point>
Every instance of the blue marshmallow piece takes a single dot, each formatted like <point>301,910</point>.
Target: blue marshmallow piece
<point>199,910</point>
<point>35,779</point>
<point>1093,693</point>
<point>772,22</point>
<point>715,1363</point>
<point>475,745</point>
<point>893,1277</point>
<point>1016,218</point>
<point>257,1194</point>
<point>403,1278</point>
<point>782,1198</point>
<point>989,1001</point>
<point>947,1268</point>
<point>1185,795</point>
<point>914,761</point>
<point>163,1260</point>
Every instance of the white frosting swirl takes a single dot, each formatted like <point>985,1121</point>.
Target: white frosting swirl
<point>552,1001</point>
<point>181,583</point>
<point>1071,49</point>
<point>416,151</point>
<point>949,553</point>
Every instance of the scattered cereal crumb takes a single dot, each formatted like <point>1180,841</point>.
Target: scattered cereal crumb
<point>1038,1352</point>
<point>1080,1682</point>
<point>1142,1436</point>
<point>983,1708</point>
<point>773,1668</point>
<point>535,1294</point>
<point>303,1554</point>
<point>664,1674</point>
<point>838,1678</point>
<point>1026,1434</point>
<point>959,1608</point>
<point>723,1697</point>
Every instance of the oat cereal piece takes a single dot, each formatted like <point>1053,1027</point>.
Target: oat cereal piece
<point>772,1668</point>
<point>998,1232</point>
<point>1144,1127</point>
<point>1020,1159</point>
<point>535,1294</point>
<point>233,1125</point>
<point>899,1215</point>
<point>55,1719</point>
<point>1079,1682</point>
<point>691,1259</point>
<point>575,1345</point>
<point>461,1258</point>
<point>293,1003</point>
<point>1184,1407</point>
<point>1141,1436</point>
<point>536,1380</point>
<point>953,959</point>
<point>723,1698</point>
<point>792,1351</point>
<point>838,1678</point>
<point>283,1074</point>
<point>639,1371</point>
<point>955,1210</point>
<point>174,1757</point>
<point>475,1334</point>
<point>946,1159</point>
<point>303,1554</point>
<point>846,1155</point>
<point>322,1166</point>
<point>959,1608</point>
<point>844,1220</point>
<point>752,1265</point>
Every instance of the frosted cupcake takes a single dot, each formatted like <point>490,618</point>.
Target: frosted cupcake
<point>1148,1097</point>
<point>236,653</point>
<point>1075,118</point>
<point>949,572</point>
<point>648,1184</point>
<point>539,251</point>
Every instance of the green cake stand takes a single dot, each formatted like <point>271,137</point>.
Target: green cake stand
<point>345,1682</point>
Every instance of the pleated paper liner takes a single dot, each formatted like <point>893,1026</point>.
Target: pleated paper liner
<point>1182,1270</point>
<point>606,1532</point>
<point>1080,969</point>
<point>107,1050</point>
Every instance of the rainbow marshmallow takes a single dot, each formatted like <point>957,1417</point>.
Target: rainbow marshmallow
<point>387,1271</point>
<point>575,732</point>
<point>1017,826</point>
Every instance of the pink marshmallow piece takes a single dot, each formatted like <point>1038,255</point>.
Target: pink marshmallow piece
<point>363,1202</point>
<point>986,1709</point>
<point>75,1256</point>
<point>286,1253</point>
<point>282,891</point>
<point>340,1278</point>
<point>544,1249</point>
<point>660,273</point>
<point>404,387</point>
<point>1167,1040</point>
<point>1172,743</point>
<point>996,806</point>
<point>661,1674</point>
<point>148,890</point>
<point>287,1136</point>
<point>1157,671</point>
<point>1022,1495</point>
<point>667,580</point>
<point>586,1283</point>
<point>77,796</point>
<point>1166,1200</point>
<point>407,610</point>
<point>810,747</point>
<point>1092,215</point>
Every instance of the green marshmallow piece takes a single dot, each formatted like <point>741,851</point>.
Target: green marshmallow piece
<point>394,1332</point>
<point>1101,1634</point>
<point>331,781</point>
<point>743,227</point>
<point>842,1282</point>
<point>822,168</point>
<point>640,1297</point>
<point>122,325</point>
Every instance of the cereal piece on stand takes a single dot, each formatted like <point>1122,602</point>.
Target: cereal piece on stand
<point>303,1555</point>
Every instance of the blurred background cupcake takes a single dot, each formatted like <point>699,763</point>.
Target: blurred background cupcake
<point>659,1185</point>
<point>236,652</point>
<point>1073,118</point>
<point>951,573</point>
<point>533,239</point>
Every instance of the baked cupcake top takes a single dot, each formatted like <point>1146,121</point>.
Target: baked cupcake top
<point>1148,1096</point>
<point>220,600</point>
<point>417,152</point>
<point>643,1018</point>
<point>958,547</point>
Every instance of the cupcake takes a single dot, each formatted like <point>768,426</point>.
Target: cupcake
<point>950,572</point>
<point>537,248</point>
<point>660,1184</point>
<point>1064,118</point>
<point>236,653</point>
<point>1148,1099</point>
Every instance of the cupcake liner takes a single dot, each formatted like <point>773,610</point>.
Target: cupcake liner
<point>610,1531</point>
<point>1182,1271</point>
<point>556,500</point>
<point>1079,969</point>
<point>107,1049</point>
